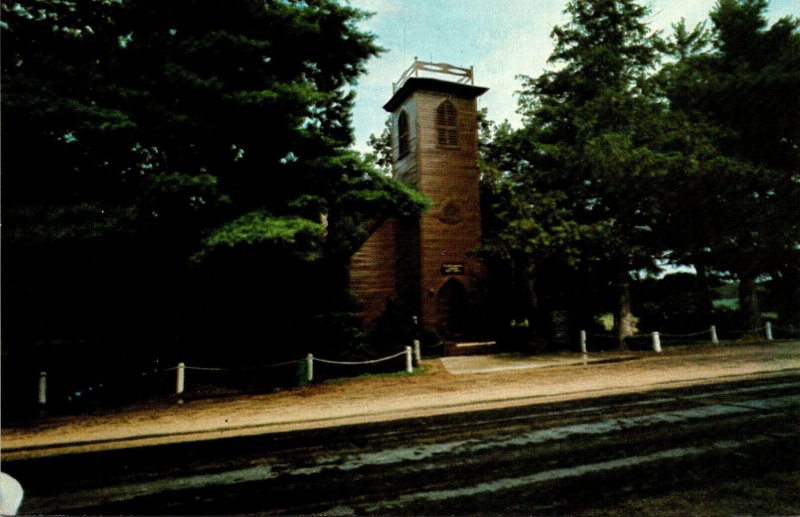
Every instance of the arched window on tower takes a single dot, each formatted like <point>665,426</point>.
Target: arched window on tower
<point>402,135</point>
<point>446,128</point>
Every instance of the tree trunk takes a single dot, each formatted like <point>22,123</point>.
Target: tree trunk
<point>706,301</point>
<point>748,302</point>
<point>790,312</point>
<point>623,317</point>
<point>531,285</point>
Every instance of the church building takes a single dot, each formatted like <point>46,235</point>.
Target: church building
<point>426,263</point>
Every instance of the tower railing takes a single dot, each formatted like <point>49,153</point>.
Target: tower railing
<point>464,75</point>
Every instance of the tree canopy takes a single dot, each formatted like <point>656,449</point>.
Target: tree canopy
<point>162,151</point>
<point>585,146</point>
<point>180,172</point>
<point>638,150</point>
<point>732,94</point>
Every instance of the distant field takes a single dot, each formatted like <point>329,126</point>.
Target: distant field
<point>727,303</point>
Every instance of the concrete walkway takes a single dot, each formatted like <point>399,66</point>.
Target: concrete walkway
<point>461,365</point>
<point>506,381</point>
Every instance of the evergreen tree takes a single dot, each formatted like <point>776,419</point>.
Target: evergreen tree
<point>691,199</point>
<point>185,163</point>
<point>589,130</point>
<point>736,120</point>
<point>756,93</point>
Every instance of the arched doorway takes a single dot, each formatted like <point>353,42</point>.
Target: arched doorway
<point>452,308</point>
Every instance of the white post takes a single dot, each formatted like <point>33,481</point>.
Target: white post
<point>417,351</point>
<point>769,330</point>
<point>583,341</point>
<point>310,367</point>
<point>42,388</point>
<point>714,338</point>
<point>656,343</point>
<point>179,383</point>
<point>409,365</point>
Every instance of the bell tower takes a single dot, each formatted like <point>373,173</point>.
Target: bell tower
<point>434,122</point>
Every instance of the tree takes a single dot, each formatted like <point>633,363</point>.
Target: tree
<point>198,154</point>
<point>692,203</point>
<point>735,110</point>
<point>382,148</point>
<point>589,134</point>
<point>756,93</point>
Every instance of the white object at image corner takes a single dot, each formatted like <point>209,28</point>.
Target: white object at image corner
<point>10,494</point>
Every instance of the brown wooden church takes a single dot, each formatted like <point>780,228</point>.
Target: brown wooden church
<point>426,263</point>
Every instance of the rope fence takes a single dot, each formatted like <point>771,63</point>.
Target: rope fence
<point>691,334</point>
<point>786,332</point>
<point>655,337</point>
<point>236,369</point>
<point>356,363</point>
<point>412,356</point>
<point>796,331</point>
<point>409,353</point>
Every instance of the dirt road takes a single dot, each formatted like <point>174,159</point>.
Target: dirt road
<point>723,448</point>
<point>436,391</point>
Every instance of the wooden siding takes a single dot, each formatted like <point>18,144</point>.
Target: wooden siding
<point>373,273</point>
<point>448,175</point>
<point>403,259</point>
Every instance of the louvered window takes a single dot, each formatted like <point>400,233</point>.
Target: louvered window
<point>446,128</point>
<point>402,135</point>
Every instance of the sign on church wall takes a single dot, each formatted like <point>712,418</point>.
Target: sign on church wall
<point>452,269</point>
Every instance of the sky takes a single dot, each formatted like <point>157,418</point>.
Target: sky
<point>501,39</point>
